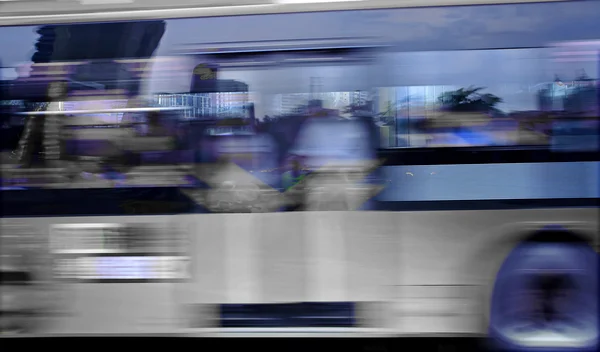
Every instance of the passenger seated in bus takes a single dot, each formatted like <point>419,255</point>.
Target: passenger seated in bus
<point>294,175</point>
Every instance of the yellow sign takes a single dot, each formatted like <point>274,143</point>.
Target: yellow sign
<point>204,72</point>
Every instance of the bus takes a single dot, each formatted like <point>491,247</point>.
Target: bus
<point>333,169</point>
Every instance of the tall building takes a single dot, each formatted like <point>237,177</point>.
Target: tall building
<point>199,104</point>
<point>545,99</point>
<point>288,104</point>
<point>583,99</point>
<point>225,98</point>
<point>223,105</point>
<point>359,98</point>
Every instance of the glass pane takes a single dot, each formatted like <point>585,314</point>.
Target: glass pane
<point>443,87</point>
<point>465,103</point>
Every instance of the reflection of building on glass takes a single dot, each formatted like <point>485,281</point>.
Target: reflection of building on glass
<point>298,103</point>
<point>551,96</point>
<point>228,104</point>
<point>287,104</point>
<point>225,98</point>
<point>578,96</point>
<point>584,97</point>
<point>210,96</point>
<point>231,104</point>
<point>201,104</point>
<point>359,98</point>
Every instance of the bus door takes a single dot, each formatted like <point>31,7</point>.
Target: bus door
<point>330,92</point>
<point>326,96</point>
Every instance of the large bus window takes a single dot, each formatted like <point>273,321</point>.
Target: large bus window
<point>503,97</point>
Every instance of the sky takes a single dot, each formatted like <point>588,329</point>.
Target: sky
<point>417,31</point>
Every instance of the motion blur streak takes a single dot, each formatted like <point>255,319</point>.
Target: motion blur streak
<point>372,172</point>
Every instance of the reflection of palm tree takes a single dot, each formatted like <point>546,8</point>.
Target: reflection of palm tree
<point>386,117</point>
<point>365,107</point>
<point>469,100</point>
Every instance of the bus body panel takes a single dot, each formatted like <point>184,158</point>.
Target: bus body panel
<point>390,262</point>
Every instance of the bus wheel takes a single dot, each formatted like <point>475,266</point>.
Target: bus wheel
<point>545,296</point>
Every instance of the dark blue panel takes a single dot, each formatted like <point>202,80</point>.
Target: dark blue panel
<point>481,155</point>
<point>254,315</point>
<point>94,202</point>
<point>313,344</point>
<point>325,314</point>
<point>321,314</point>
<point>486,204</point>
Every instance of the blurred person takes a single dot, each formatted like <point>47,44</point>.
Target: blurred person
<point>295,173</point>
<point>292,184</point>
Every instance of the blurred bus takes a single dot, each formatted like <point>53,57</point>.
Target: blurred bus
<point>426,167</point>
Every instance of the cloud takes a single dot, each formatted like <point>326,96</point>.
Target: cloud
<point>513,25</point>
<point>441,28</point>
